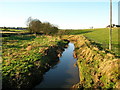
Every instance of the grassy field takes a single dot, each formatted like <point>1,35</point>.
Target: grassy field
<point>22,53</point>
<point>13,30</point>
<point>100,36</point>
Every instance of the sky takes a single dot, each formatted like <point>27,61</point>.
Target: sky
<point>66,14</point>
<point>119,13</point>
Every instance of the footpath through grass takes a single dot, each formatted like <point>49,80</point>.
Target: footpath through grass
<point>100,36</point>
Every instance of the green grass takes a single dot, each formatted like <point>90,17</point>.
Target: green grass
<point>14,30</point>
<point>18,62</point>
<point>100,36</point>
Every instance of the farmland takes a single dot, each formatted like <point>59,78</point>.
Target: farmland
<point>100,36</point>
<point>24,54</point>
<point>66,45</point>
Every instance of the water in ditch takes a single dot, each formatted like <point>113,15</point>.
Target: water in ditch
<point>64,74</point>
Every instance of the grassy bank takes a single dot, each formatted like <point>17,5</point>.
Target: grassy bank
<point>100,36</point>
<point>98,68</point>
<point>27,57</point>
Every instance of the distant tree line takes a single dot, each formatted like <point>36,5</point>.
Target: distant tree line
<point>18,28</point>
<point>36,26</point>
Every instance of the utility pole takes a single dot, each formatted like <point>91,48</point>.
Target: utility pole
<point>110,31</point>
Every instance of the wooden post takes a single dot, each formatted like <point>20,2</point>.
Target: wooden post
<point>110,31</point>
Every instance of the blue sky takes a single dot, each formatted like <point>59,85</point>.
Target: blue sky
<point>67,14</point>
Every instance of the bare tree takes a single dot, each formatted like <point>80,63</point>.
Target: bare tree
<point>28,21</point>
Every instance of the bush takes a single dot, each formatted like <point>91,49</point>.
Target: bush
<point>36,26</point>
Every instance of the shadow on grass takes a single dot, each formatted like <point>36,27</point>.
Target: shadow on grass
<point>14,34</point>
<point>21,37</point>
<point>13,46</point>
<point>73,32</point>
<point>82,32</point>
<point>115,48</point>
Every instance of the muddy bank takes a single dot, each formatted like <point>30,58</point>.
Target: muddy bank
<point>98,68</point>
<point>35,74</point>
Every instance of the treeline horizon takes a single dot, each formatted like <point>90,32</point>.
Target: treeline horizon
<point>36,26</point>
<point>19,28</point>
